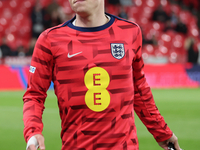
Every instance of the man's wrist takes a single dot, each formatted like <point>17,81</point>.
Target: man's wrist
<point>32,141</point>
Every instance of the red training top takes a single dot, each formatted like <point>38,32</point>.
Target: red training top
<point>99,81</point>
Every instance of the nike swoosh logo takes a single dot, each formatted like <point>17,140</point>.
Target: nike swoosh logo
<point>70,56</point>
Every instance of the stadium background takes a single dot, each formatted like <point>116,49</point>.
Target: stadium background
<point>174,79</point>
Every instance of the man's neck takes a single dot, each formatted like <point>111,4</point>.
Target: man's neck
<point>91,21</point>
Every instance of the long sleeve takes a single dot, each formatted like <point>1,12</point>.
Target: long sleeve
<point>144,104</point>
<point>40,76</point>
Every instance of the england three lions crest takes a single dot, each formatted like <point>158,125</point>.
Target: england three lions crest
<point>117,50</point>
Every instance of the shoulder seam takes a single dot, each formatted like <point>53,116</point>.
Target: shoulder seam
<point>59,26</point>
<point>54,28</point>
<point>124,20</point>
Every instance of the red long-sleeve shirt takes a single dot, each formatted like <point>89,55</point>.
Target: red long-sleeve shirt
<point>99,82</point>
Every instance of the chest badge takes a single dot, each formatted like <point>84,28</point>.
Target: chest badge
<point>117,50</point>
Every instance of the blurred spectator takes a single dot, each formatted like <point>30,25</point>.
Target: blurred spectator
<point>20,51</point>
<point>53,6</point>
<point>181,27</point>
<point>160,15</point>
<point>198,46</point>
<point>179,2</point>
<point>63,15</point>
<point>173,18</point>
<point>151,40</point>
<point>192,4</point>
<point>38,19</point>
<point>55,14</point>
<point>31,46</point>
<point>5,50</point>
<point>123,13</point>
<point>192,50</point>
<point>114,2</point>
<point>55,19</point>
<point>168,26</point>
<point>126,3</point>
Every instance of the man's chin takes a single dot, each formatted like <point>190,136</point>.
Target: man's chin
<point>82,12</point>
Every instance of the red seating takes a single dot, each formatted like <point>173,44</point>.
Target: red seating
<point>195,3</point>
<point>16,24</point>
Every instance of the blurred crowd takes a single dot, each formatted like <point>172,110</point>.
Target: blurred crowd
<point>43,17</point>
<point>170,22</point>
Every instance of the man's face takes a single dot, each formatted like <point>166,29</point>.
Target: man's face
<point>85,7</point>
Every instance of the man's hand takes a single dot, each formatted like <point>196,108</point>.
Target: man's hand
<point>173,140</point>
<point>40,140</point>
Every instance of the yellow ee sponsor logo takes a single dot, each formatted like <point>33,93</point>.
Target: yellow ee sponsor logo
<point>97,98</point>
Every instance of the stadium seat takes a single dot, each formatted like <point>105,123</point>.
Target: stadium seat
<point>185,16</point>
<point>178,48</point>
<point>175,8</point>
<point>149,49</point>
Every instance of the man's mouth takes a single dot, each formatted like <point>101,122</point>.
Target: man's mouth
<point>77,1</point>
